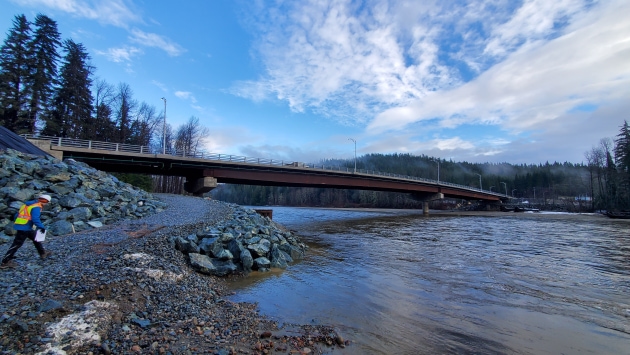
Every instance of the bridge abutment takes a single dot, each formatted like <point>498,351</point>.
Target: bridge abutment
<point>44,144</point>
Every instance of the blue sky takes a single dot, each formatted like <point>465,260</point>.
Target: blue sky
<point>479,81</point>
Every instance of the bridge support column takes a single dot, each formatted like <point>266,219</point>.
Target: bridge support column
<point>198,186</point>
<point>426,198</point>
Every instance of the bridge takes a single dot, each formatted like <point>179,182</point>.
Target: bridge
<point>204,170</point>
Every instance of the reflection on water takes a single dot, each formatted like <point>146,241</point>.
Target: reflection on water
<point>407,284</point>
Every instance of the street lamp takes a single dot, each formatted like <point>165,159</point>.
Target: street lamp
<point>438,163</point>
<point>513,192</point>
<point>505,185</point>
<point>480,187</point>
<point>164,130</point>
<point>534,194</point>
<point>355,154</point>
<point>491,188</point>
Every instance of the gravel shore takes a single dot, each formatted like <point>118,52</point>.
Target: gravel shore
<point>124,289</point>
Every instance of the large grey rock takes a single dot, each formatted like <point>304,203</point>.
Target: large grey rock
<point>261,248</point>
<point>246,260</point>
<point>294,252</point>
<point>58,176</point>
<point>226,237</point>
<point>262,263</point>
<point>235,247</point>
<point>225,255</point>
<point>70,201</point>
<point>209,266</point>
<point>80,214</point>
<point>61,227</point>
<point>206,245</point>
<point>186,246</point>
<point>279,259</point>
<point>22,195</point>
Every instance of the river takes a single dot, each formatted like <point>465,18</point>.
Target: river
<point>396,282</point>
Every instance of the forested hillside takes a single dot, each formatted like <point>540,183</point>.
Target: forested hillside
<point>48,87</point>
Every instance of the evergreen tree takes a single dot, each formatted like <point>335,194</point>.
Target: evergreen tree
<point>15,64</point>
<point>43,77</point>
<point>72,100</point>
<point>622,158</point>
<point>622,148</point>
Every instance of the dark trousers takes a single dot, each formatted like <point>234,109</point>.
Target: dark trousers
<point>19,240</point>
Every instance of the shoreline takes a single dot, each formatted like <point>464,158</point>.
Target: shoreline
<point>458,213</point>
<point>124,289</point>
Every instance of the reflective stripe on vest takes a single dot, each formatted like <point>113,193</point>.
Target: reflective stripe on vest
<point>24,216</point>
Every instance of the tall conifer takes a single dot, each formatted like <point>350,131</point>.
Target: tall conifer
<point>43,76</point>
<point>72,101</point>
<point>15,64</point>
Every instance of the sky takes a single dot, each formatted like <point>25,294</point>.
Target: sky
<point>523,82</point>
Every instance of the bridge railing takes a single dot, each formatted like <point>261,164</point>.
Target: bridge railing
<point>130,148</point>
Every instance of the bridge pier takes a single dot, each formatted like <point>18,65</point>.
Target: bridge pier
<point>199,186</point>
<point>426,198</point>
<point>425,208</point>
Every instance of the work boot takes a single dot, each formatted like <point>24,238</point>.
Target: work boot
<point>46,254</point>
<point>8,265</point>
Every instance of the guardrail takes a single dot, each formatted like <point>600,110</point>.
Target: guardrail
<point>138,149</point>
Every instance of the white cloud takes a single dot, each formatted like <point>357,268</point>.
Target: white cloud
<point>155,40</point>
<point>160,85</point>
<point>112,12</point>
<point>538,83</point>
<point>534,20</point>
<point>351,62</point>
<point>119,55</point>
<point>186,95</point>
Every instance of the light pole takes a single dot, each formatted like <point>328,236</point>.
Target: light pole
<point>355,154</point>
<point>534,194</point>
<point>513,192</point>
<point>491,188</point>
<point>164,130</point>
<point>505,185</point>
<point>480,187</point>
<point>438,163</point>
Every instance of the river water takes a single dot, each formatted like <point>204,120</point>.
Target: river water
<point>396,282</point>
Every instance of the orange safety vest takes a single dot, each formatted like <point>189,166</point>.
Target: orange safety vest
<point>24,215</point>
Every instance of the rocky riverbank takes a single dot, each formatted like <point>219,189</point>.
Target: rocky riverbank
<point>116,284</point>
<point>124,289</point>
<point>83,197</point>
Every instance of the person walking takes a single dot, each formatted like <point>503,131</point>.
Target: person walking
<point>27,217</point>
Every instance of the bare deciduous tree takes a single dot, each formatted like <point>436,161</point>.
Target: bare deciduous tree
<point>124,109</point>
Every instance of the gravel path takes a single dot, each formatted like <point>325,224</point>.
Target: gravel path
<point>124,289</point>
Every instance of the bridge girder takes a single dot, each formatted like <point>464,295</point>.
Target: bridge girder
<point>238,173</point>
